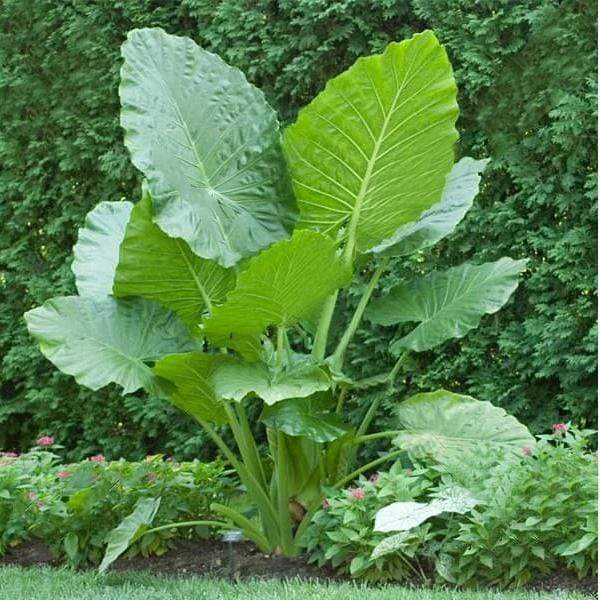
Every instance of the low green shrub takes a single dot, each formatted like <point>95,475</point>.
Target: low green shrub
<point>534,514</point>
<point>73,507</point>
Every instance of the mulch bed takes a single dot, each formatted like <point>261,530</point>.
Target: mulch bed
<point>243,561</point>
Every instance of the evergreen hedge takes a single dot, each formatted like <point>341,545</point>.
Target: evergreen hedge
<point>527,77</point>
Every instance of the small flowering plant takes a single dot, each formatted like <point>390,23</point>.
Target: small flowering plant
<point>341,532</point>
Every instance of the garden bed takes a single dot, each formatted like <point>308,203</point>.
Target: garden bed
<point>211,558</point>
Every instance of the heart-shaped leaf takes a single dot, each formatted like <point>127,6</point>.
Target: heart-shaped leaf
<point>447,304</point>
<point>235,380</point>
<point>158,267</point>
<point>310,417</point>
<point>447,428</point>
<point>103,340</point>
<point>281,286</point>
<point>96,252</point>
<point>209,145</point>
<point>372,151</point>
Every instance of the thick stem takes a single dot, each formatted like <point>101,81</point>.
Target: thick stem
<point>374,436</point>
<point>320,341</point>
<point>285,523</point>
<point>340,351</point>
<point>367,467</point>
<point>253,449</point>
<point>341,399</point>
<point>280,347</point>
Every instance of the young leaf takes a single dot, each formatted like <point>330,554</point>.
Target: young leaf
<point>281,286</point>
<point>96,252</point>
<point>390,544</point>
<point>305,417</point>
<point>447,304</point>
<point>103,340</point>
<point>235,380</point>
<point>372,151</point>
<point>192,374</point>
<point>402,516</point>
<point>209,145</point>
<point>448,427</point>
<point>129,529</point>
<point>158,267</point>
<point>462,185</point>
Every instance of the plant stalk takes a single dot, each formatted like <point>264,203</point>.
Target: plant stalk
<point>320,341</point>
<point>285,523</point>
<point>371,465</point>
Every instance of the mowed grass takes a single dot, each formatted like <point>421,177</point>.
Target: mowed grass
<point>58,584</point>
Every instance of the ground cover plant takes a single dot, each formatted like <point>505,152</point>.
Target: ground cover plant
<point>491,518</point>
<point>76,509</point>
<point>219,286</point>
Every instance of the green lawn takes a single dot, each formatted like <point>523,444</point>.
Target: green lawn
<point>54,584</point>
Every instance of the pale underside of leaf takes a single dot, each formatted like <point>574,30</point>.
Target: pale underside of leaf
<point>209,145</point>
<point>447,427</point>
<point>158,267</point>
<point>372,151</point>
<point>280,287</point>
<point>236,380</point>
<point>96,253</point>
<point>439,221</point>
<point>192,375</point>
<point>103,340</point>
<point>447,304</point>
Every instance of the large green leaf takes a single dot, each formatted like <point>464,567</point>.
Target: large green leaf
<point>158,267</point>
<point>462,185</point>
<point>310,417</point>
<point>372,151</point>
<point>103,340</point>
<point>449,428</point>
<point>192,375</point>
<point>129,529</point>
<point>96,252</point>
<point>235,380</point>
<point>209,145</point>
<point>447,304</point>
<point>281,286</point>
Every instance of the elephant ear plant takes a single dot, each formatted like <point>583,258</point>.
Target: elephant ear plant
<point>245,234</point>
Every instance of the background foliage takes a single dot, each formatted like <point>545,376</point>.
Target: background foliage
<point>526,74</point>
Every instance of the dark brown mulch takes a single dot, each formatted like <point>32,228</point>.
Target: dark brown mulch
<point>212,558</point>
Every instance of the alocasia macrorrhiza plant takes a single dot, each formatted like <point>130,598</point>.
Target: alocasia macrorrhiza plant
<point>244,234</point>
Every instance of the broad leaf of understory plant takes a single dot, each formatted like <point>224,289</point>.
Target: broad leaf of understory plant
<point>372,151</point>
<point>446,304</point>
<point>310,417</point>
<point>446,428</point>
<point>281,286</point>
<point>103,340</point>
<point>462,185</point>
<point>162,268</point>
<point>192,375</point>
<point>402,516</point>
<point>96,252</point>
<point>209,145</point>
<point>129,529</point>
<point>235,380</point>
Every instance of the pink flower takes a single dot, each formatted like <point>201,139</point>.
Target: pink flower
<point>40,504</point>
<point>152,476</point>
<point>45,440</point>
<point>527,451</point>
<point>325,504</point>
<point>357,494</point>
<point>10,454</point>
<point>97,458</point>
<point>63,474</point>
<point>31,495</point>
<point>559,428</point>
<point>374,478</point>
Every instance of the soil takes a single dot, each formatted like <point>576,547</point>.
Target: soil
<point>243,561</point>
